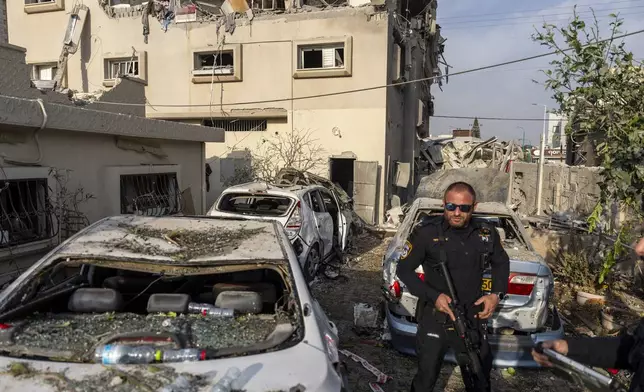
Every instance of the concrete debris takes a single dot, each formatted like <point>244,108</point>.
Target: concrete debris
<point>395,216</point>
<point>490,184</point>
<point>82,99</point>
<point>365,316</point>
<point>469,152</point>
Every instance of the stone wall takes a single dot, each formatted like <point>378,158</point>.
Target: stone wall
<point>565,188</point>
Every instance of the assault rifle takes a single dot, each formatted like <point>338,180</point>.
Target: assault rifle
<point>470,360</point>
<point>581,374</point>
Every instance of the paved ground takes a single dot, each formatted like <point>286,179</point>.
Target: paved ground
<point>360,281</point>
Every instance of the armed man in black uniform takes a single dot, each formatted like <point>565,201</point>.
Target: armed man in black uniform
<point>470,246</point>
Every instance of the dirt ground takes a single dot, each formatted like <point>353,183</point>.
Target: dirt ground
<point>360,281</point>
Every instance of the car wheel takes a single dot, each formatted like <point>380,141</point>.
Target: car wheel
<point>312,262</point>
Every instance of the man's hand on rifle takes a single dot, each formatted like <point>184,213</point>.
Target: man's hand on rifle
<point>559,345</point>
<point>442,304</point>
<point>489,302</point>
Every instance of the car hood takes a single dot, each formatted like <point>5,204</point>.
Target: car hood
<point>303,364</point>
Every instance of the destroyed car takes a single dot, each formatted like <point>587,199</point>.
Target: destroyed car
<point>524,317</point>
<point>175,304</point>
<point>316,223</point>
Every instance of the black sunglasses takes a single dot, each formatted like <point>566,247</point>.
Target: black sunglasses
<point>463,207</point>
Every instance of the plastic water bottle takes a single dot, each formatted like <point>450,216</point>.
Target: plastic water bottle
<point>117,354</point>
<point>225,384</point>
<point>184,355</point>
<point>210,310</point>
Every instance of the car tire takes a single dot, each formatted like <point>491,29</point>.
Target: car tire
<point>312,263</point>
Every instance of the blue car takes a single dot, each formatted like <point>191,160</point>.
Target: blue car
<point>524,317</point>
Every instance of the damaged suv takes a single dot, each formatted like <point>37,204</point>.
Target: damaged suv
<point>524,317</point>
<point>176,304</point>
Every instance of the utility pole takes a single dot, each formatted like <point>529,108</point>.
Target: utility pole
<point>542,154</point>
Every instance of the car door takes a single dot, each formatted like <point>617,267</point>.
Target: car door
<point>331,204</point>
<point>323,222</point>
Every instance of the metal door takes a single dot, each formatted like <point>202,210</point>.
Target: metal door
<point>365,189</point>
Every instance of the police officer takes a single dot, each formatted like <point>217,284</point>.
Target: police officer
<point>619,352</point>
<point>469,245</point>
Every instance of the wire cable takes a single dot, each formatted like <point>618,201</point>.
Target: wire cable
<point>364,89</point>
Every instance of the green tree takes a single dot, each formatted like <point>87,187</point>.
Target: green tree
<point>599,87</point>
<point>476,128</point>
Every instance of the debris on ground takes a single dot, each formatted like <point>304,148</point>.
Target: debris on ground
<point>468,152</point>
<point>365,316</point>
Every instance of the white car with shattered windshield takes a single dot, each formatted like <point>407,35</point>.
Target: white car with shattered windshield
<point>168,304</point>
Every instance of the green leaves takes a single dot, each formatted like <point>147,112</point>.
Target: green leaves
<point>600,89</point>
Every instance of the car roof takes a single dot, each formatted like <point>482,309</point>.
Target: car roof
<point>177,240</point>
<point>272,189</point>
<point>494,208</point>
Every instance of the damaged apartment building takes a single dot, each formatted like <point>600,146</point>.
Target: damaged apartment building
<point>261,68</point>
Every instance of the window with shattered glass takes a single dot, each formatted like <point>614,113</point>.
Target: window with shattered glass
<point>321,56</point>
<point>217,63</point>
<point>115,68</point>
<point>25,211</point>
<point>154,194</point>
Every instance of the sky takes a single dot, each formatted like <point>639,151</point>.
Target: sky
<point>486,32</point>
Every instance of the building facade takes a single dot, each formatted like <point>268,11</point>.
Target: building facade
<point>556,132</point>
<point>65,166</point>
<point>263,69</point>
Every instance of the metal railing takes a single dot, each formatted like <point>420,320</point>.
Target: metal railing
<point>26,214</point>
<point>155,194</point>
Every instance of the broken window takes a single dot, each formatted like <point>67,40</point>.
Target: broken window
<point>25,211</point>
<point>155,194</point>
<point>247,204</point>
<point>115,68</point>
<point>237,125</point>
<point>214,63</point>
<point>44,71</point>
<point>321,56</point>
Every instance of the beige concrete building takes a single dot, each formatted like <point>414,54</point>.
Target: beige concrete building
<point>64,166</point>
<point>276,67</point>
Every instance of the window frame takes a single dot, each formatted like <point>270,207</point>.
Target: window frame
<point>141,57</point>
<point>236,76</point>
<point>112,190</point>
<point>45,83</point>
<point>304,73</point>
<point>49,6</point>
<point>31,173</point>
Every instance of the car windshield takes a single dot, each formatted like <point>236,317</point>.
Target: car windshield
<point>70,310</point>
<point>253,204</point>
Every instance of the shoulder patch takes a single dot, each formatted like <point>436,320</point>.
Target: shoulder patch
<point>406,249</point>
<point>484,234</point>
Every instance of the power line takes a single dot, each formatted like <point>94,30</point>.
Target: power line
<point>364,89</point>
<point>495,118</point>
<point>498,25</point>
<point>589,12</point>
<point>538,10</point>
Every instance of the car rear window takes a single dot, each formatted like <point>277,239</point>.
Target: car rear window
<point>251,204</point>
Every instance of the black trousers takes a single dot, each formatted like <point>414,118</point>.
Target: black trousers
<point>434,337</point>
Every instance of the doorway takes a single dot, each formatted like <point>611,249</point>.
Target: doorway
<point>341,173</point>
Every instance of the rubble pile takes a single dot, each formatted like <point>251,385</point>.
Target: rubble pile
<point>469,152</point>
